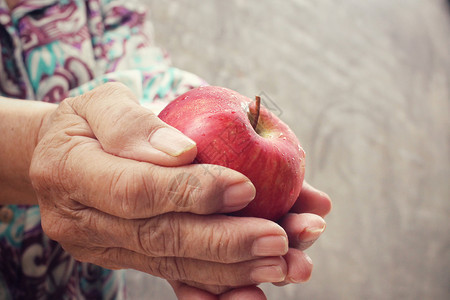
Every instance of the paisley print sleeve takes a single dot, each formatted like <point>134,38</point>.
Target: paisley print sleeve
<point>125,52</point>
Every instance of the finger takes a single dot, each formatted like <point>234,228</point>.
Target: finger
<point>131,189</point>
<point>193,290</point>
<point>187,292</point>
<point>248,292</point>
<point>302,229</point>
<point>216,238</point>
<point>210,289</point>
<point>299,265</point>
<point>270,269</point>
<point>221,292</point>
<point>126,129</point>
<point>311,200</point>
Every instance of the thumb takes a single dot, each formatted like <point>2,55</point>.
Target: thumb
<point>126,129</point>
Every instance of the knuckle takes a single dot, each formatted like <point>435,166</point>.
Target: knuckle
<point>66,106</point>
<point>183,191</point>
<point>124,124</point>
<point>161,237</point>
<point>136,192</point>
<point>125,190</point>
<point>225,244</point>
<point>131,124</point>
<point>170,268</point>
<point>219,245</point>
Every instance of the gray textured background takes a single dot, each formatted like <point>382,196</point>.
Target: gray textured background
<point>366,87</point>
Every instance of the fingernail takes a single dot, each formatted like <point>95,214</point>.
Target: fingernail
<point>308,259</point>
<point>171,141</point>
<point>274,245</point>
<point>238,195</point>
<point>311,233</point>
<point>267,274</point>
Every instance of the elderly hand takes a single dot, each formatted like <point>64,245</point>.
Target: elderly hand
<point>109,192</point>
<point>304,224</point>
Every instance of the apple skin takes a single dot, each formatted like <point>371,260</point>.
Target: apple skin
<point>217,119</point>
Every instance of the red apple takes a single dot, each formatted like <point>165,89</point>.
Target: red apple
<point>235,132</point>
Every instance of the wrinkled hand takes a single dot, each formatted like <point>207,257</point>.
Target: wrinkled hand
<point>303,224</point>
<point>115,188</point>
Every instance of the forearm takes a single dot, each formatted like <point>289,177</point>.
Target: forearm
<point>20,121</point>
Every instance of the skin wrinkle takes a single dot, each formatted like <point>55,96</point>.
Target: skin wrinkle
<point>151,203</point>
<point>182,198</point>
<point>74,149</point>
<point>210,240</point>
<point>149,189</point>
<point>113,141</point>
<point>188,242</point>
<point>95,114</point>
<point>181,246</point>
<point>51,228</point>
<point>57,174</point>
<point>123,149</point>
<point>190,192</point>
<point>166,270</point>
<point>90,222</point>
<point>199,192</point>
<point>141,241</point>
<point>219,277</point>
<point>135,195</point>
<point>222,249</point>
<point>120,193</point>
<point>159,238</point>
<point>178,240</point>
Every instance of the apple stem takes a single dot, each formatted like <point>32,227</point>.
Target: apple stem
<point>255,115</point>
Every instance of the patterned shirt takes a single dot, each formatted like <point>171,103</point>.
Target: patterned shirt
<point>51,50</point>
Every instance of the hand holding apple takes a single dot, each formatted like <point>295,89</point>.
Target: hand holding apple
<point>232,131</point>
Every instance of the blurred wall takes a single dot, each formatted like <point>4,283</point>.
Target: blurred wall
<point>366,87</point>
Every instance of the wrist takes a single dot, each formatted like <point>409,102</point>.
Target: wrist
<point>20,125</point>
